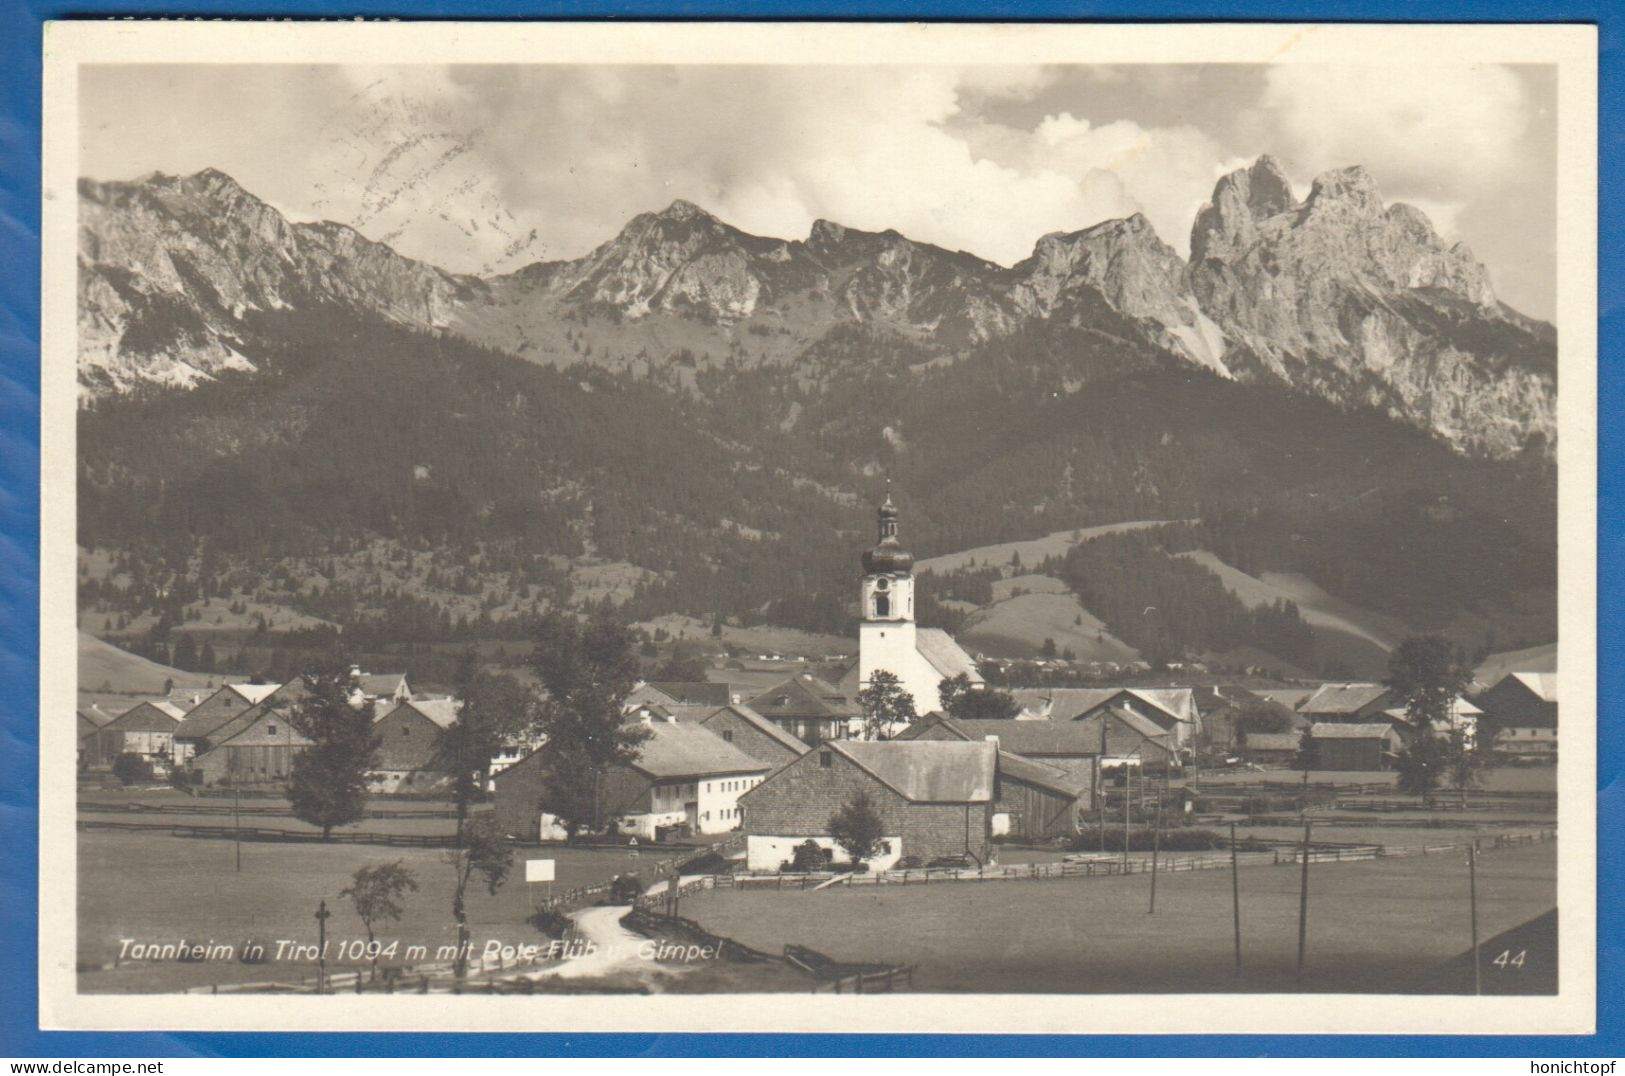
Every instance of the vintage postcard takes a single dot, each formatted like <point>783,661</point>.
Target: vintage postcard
<point>771,527</point>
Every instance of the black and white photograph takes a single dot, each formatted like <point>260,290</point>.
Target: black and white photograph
<point>928,527</point>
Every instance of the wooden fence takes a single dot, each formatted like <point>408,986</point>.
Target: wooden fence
<point>108,807</point>
<point>260,833</point>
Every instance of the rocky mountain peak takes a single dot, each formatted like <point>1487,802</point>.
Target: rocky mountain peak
<point>826,233</point>
<point>683,210</point>
<point>1351,187</point>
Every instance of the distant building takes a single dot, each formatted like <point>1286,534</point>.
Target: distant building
<point>257,748</point>
<point>935,800</point>
<point>695,693</point>
<point>1035,800</point>
<point>225,704</point>
<point>1172,709</point>
<point>1522,709</point>
<point>1342,745</point>
<point>407,735</point>
<point>1072,747</point>
<point>1271,747</point>
<point>1348,703</point>
<point>90,721</point>
<point>685,780</point>
<point>761,739</point>
<point>810,709</point>
<point>384,687</point>
<point>146,729</point>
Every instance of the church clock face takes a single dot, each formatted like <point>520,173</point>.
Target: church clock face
<point>882,583</point>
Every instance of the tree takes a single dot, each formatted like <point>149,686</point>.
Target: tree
<point>1427,673</point>
<point>1308,757</point>
<point>857,828</point>
<point>885,704</point>
<point>375,892</point>
<point>482,850</point>
<point>130,768</point>
<point>496,709</point>
<point>1468,761</point>
<point>965,701</point>
<point>587,670</point>
<point>327,786</point>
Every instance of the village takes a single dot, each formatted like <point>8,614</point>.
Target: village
<point>770,821</point>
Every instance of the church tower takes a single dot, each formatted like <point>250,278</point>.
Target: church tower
<point>887,637</point>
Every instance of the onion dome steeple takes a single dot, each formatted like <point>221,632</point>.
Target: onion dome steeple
<point>888,556</point>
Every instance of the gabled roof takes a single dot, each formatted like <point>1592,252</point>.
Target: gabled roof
<point>254,693</point>
<point>146,717</point>
<point>1343,698</point>
<point>1029,771</point>
<point>1136,723</point>
<point>927,771</point>
<point>1542,685</point>
<point>95,715</point>
<point>228,729</point>
<point>1333,730</point>
<point>695,693</point>
<point>379,683</point>
<point>1020,737</point>
<point>1070,703</point>
<point>256,733</point>
<point>675,751</point>
<point>760,724</point>
<point>945,655</point>
<point>646,695</point>
<point>804,696</point>
<point>443,712</point>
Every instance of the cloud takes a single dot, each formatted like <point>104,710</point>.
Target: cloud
<point>1440,134</point>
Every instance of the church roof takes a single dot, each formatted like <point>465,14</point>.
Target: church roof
<point>944,654</point>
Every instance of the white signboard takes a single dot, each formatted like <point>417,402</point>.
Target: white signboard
<point>538,870</point>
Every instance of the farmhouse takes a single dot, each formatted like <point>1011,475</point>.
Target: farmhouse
<point>1340,745</point>
<point>685,780</point>
<point>755,735</point>
<point>146,729</point>
<point>808,708</point>
<point>383,687</point>
<point>1350,703</point>
<point>1271,747</point>
<point>695,693</point>
<point>90,721</point>
<point>1172,710</point>
<point>407,734</point>
<point>201,721</point>
<point>255,749</point>
<point>1522,709</point>
<point>935,800</point>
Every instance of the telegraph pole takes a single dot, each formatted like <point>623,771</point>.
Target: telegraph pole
<point>1303,905</point>
<point>237,822</point>
<point>1235,894</point>
<point>1156,842</point>
<point>1472,899</point>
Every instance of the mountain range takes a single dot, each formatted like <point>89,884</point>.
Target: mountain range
<point>1339,296</point>
<point>692,419</point>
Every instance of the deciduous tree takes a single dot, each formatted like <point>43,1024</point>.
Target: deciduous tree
<point>885,705</point>
<point>327,785</point>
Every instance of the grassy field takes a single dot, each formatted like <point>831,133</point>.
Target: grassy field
<point>1500,779</point>
<point>1031,552</point>
<point>1373,927</point>
<point>1017,627</point>
<point>158,888</point>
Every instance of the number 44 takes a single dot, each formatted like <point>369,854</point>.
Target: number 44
<point>1508,960</point>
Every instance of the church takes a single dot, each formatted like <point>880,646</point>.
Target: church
<point>888,637</point>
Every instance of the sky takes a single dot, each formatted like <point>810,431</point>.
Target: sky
<point>484,168</point>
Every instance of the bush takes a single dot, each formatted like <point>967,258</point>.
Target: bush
<point>551,921</point>
<point>910,863</point>
<point>129,769</point>
<point>809,856</point>
<point>625,888</point>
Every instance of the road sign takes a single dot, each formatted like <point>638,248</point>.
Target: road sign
<point>538,870</point>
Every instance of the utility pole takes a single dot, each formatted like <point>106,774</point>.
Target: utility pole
<point>1128,805</point>
<point>1235,894</point>
<point>1303,905</point>
<point>237,822</point>
<point>322,916</point>
<point>1156,843</point>
<point>1472,900</point>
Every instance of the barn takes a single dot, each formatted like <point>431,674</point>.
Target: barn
<point>1368,746</point>
<point>255,749</point>
<point>1521,709</point>
<point>146,729</point>
<point>753,734</point>
<point>407,735</point>
<point>935,799</point>
<point>1036,800</point>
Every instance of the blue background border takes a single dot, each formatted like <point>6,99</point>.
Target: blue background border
<point>20,40</point>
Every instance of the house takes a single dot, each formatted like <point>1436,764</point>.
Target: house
<point>808,708</point>
<point>1130,739</point>
<point>645,694</point>
<point>1271,747</point>
<point>889,640</point>
<point>1462,714</point>
<point>695,693</point>
<point>257,748</point>
<point>407,734</point>
<point>1520,711</point>
<point>90,721</point>
<point>935,799</point>
<point>761,739</point>
<point>1172,709</point>
<point>1221,708</point>
<point>384,687</point>
<point>224,704</point>
<point>146,729</point>
<point>1066,745</point>
<point>1034,800</point>
<point>685,779</point>
<point>1340,745</point>
<point>1350,703</point>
